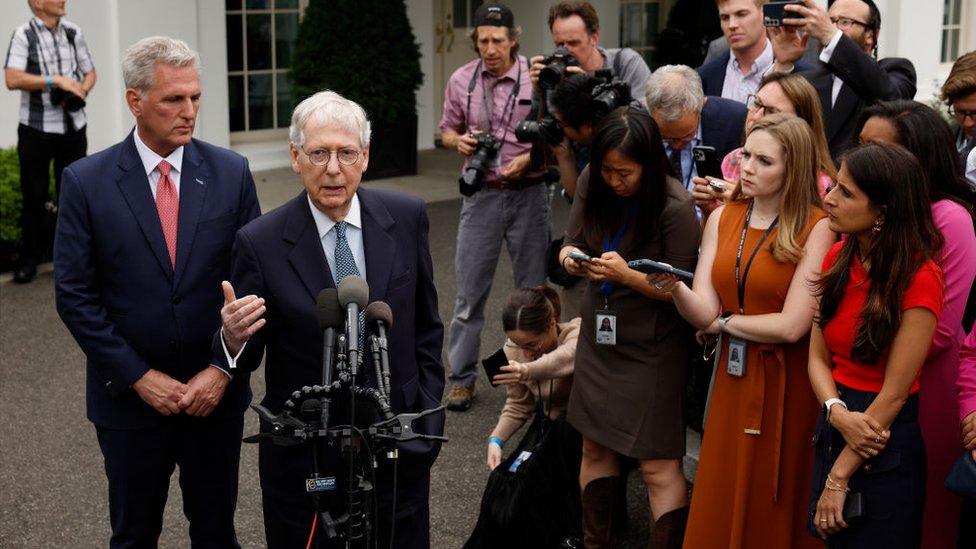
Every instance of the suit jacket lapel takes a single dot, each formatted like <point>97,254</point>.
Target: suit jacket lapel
<point>134,186</point>
<point>193,192</point>
<point>307,256</point>
<point>379,245</point>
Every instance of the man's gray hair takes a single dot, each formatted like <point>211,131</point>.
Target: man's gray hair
<point>333,109</point>
<point>673,91</point>
<point>139,60</point>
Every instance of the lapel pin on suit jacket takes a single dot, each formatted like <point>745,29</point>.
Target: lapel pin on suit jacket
<point>198,181</point>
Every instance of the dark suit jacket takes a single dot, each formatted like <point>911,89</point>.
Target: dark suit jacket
<point>866,81</point>
<point>279,257</point>
<point>712,72</point>
<point>115,287</point>
<point>722,122</point>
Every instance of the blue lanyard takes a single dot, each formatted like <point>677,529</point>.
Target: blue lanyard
<point>606,287</point>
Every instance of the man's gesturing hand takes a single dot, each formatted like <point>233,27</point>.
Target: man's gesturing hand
<point>204,392</point>
<point>241,318</point>
<point>160,391</point>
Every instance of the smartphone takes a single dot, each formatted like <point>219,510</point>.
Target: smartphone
<point>650,266</point>
<point>578,256</point>
<point>853,506</point>
<point>706,161</point>
<point>717,185</point>
<point>773,13</point>
<point>493,365</point>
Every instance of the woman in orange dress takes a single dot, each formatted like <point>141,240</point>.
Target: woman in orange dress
<point>751,285</point>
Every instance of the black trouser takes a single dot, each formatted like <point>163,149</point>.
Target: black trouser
<point>140,462</point>
<point>36,150</point>
<point>892,483</point>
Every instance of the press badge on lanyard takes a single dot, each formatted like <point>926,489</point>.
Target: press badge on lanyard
<point>736,364</point>
<point>606,320</point>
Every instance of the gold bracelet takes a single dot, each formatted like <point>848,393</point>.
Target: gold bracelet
<point>837,487</point>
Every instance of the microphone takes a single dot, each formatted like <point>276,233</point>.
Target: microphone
<point>330,318</point>
<point>353,296</point>
<point>379,315</point>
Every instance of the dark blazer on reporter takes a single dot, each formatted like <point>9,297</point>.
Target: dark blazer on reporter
<point>281,257</point>
<point>137,283</point>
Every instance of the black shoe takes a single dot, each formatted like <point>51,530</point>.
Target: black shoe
<point>25,273</point>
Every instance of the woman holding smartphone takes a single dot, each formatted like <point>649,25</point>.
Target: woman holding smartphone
<point>778,93</point>
<point>880,298</point>
<point>629,380</point>
<point>752,286</point>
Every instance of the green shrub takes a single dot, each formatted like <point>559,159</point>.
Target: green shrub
<point>9,196</point>
<point>362,49</point>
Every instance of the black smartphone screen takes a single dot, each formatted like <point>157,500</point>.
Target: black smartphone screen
<point>493,365</point>
<point>706,161</point>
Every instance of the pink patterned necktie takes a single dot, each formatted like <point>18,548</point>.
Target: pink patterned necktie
<point>168,207</point>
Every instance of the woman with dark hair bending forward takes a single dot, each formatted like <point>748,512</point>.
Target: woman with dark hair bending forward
<point>880,298</point>
<point>629,380</point>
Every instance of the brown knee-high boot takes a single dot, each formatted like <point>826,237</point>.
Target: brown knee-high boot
<point>598,503</point>
<point>669,531</point>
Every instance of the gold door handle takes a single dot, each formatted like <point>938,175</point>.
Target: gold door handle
<point>450,33</point>
<point>439,31</point>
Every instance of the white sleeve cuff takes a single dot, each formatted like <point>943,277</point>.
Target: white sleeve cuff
<point>828,50</point>
<point>231,360</point>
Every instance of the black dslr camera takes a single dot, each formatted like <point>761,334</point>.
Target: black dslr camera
<point>609,94</point>
<point>68,100</point>
<point>473,177</point>
<point>555,70</point>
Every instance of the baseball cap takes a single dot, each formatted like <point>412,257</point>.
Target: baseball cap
<point>494,15</point>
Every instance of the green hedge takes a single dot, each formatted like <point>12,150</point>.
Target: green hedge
<point>9,196</point>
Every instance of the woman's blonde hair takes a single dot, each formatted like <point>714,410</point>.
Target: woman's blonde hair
<point>806,103</point>
<point>799,181</point>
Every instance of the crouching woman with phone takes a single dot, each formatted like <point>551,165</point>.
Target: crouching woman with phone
<point>880,298</point>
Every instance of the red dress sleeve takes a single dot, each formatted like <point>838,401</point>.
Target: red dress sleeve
<point>926,289</point>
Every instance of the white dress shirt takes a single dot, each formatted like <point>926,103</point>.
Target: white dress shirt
<point>738,86</point>
<point>825,56</point>
<point>354,234</point>
<point>151,160</point>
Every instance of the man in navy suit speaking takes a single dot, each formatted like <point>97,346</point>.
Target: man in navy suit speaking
<point>143,241</point>
<point>280,264</point>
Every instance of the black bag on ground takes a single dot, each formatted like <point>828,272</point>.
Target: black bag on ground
<point>535,503</point>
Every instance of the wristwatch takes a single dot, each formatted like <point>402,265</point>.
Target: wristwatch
<point>830,402</point>
<point>723,322</point>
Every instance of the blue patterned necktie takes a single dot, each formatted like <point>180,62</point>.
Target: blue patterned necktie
<point>345,265</point>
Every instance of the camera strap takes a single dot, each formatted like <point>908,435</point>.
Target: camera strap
<point>488,102</point>
<point>740,284</point>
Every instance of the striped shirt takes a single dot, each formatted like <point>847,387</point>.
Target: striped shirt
<point>35,49</point>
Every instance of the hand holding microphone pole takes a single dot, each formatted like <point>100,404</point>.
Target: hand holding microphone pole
<point>380,316</point>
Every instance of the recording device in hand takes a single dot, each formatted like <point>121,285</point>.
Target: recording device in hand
<point>706,161</point>
<point>774,13</point>
<point>493,365</point>
<point>717,185</point>
<point>555,70</point>
<point>473,178</point>
<point>578,256</point>
<point>304,419</point>
<point>66,99</point>
<point>649,266</point>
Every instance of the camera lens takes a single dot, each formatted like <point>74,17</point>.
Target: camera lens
<point>552,75</point>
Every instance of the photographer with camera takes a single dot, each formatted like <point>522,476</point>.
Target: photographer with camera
<point>484,102</point>
<point>49,62</point>
<point>575,31</point>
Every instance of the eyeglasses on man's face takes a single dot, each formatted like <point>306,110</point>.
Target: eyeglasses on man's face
<point>321,157</point>
<point>845,23</point>
<point>961,114</point>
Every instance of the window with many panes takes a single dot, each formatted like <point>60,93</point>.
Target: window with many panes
<point>260,37</point>
<point>951,30</point>
<point>640,23</point>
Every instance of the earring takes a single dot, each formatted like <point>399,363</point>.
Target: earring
<point>878,223</point>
